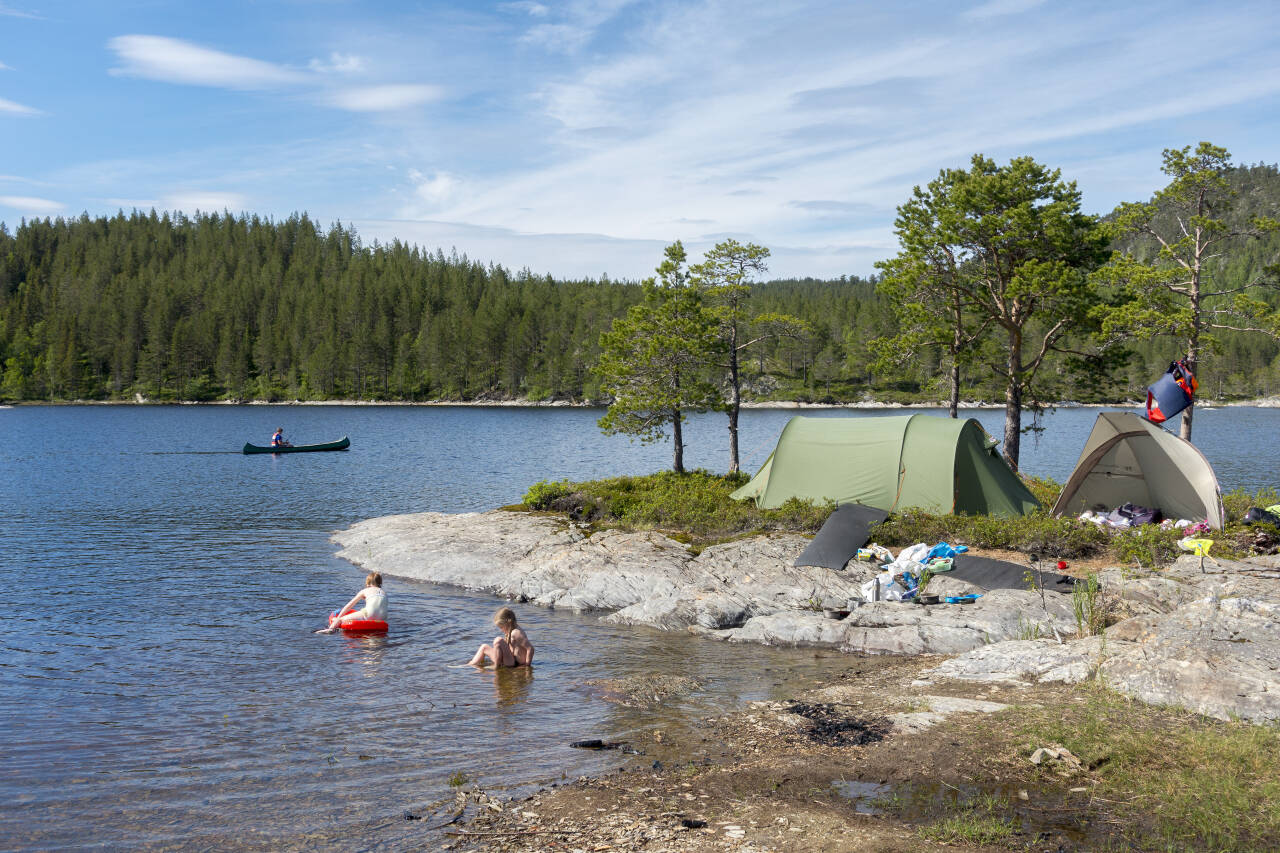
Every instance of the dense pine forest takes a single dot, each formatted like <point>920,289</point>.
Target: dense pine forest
<point>225,307</point>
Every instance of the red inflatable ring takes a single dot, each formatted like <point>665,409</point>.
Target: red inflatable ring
<point>366,626</point>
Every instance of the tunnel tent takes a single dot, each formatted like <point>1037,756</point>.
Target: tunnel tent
<point>1128,459</point>
<point>941,465</point>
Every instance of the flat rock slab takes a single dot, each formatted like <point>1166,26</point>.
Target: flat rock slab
<point>1204,635</point>
<point>748,590</point>
<point>1205,641</point>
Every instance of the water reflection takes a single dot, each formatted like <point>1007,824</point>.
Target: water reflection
<point>511,685</point>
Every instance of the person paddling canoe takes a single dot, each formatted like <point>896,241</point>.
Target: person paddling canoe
<point>278,440</point>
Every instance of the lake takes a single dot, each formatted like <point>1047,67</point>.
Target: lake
<point>160,680</point>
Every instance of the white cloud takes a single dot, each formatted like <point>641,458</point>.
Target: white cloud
<point>535,10</point>
<point>996,8</point>
<point>176,61</point>
<point>31,204</point>
<point>9,12</point>
<point>337,63</point>
<point>206,202</point>
<point>4,67</point>
<point>383,98</point>
<point>15,108</point>
<point>579,21</point>
<point>436,190</point>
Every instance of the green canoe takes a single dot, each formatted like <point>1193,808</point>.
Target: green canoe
<point>341,444</point>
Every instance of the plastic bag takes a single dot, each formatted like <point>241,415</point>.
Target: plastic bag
<point>1198,547</point>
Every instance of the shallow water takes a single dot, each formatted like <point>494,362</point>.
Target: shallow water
<point>159,679</point>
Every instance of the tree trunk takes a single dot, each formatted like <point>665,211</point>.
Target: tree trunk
<point>957,341</point>
<point>677,442</point>
<point>1193,351</point>
<point>953,405</point>
<point>1013,401</point>
<point>735,400</point>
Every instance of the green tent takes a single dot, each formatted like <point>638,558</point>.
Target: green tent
<point>941,465</point>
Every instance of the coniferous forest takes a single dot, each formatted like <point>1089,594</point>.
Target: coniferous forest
<point>226,307</point>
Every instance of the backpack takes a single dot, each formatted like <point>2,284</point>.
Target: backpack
<point>1171,393</point>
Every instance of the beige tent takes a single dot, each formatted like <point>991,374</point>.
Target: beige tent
<point>1128,459</point>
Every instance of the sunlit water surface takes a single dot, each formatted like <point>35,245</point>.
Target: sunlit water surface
<point>160,682</point>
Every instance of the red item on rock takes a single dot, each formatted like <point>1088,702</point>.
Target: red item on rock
<point>1062,565</point>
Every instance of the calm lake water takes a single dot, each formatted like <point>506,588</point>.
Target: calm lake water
<point>160,683</point>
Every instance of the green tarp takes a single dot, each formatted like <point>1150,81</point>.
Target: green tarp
<point>941,465</point>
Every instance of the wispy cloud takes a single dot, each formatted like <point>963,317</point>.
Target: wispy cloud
<point>31,204</point>
<point>996,8</point>
<point>576,24</point>
<point>15,108</point>
<point>4,67</point>
<point>338,63</point>
<point>528,7</point>
<point>383,98</point>
<point>9,12</point>
<point>176,61</point>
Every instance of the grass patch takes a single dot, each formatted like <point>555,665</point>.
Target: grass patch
<point>1168,779</point>
<point>971,827</point>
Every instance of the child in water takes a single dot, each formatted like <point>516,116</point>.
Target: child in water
<point>511,649</point>
<point>375,605</point>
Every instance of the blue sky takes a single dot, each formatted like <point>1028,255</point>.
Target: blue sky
<point>579,138</point>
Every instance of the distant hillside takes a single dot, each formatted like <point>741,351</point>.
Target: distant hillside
<point>226,307</point>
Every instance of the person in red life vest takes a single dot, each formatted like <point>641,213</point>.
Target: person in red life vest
<point>278,440</point>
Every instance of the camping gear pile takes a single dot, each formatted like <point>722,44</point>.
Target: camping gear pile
<point>904,578</point>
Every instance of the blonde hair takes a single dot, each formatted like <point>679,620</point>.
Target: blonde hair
<point>506,617</point>
<point>373,579</point>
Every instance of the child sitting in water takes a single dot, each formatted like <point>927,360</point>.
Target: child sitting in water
<point>511,649</point>
<point>375,604</point>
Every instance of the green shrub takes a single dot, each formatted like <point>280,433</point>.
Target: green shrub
<point>694,505</point>
<point>542,493</point>
<point>1057,538</point>
<point>1237,502</point>
<point>1148,546</point>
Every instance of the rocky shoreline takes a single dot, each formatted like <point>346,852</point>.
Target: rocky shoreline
<point>1201,637</point>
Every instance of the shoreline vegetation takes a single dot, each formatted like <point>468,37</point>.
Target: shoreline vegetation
<point>899,752</point>
<point>1259,403</point>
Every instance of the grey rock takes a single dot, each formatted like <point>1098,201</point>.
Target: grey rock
<point>1209,642</point>
<point>1201,634</point>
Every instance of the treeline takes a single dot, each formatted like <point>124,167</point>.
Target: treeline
<point>220,306</point>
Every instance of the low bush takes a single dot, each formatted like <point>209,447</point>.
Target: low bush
<point>1056,538</point>
<point>543,493</point>
<point>695,506</point>
<point>1147,546</point>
